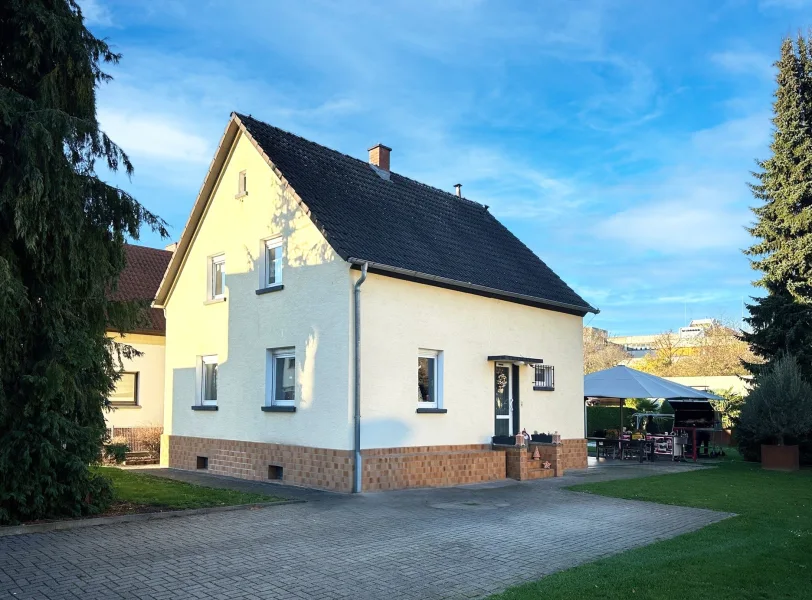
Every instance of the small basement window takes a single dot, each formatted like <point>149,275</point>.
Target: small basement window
<point>545,378</point>
<point>275,472</point>
<point>202,462</point>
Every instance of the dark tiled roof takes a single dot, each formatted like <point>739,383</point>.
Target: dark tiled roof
<point>405,224</point>
<point>140,280</point>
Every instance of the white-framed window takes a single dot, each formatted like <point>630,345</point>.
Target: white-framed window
<point>429,378</point>
<point>280,377</point>
<point>271,274</point>
<point>242,184</point>
<point>207,380</point>
<point>126,390</point>
<point>217,277</point>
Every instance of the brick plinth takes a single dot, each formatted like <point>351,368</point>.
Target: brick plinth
<point>430,466</point>
<point>567,454</point>
<point>574,454</point>
<point>301,465</point>
<point>516,462</point>
<point>551,453</point>
<point>383,468</point>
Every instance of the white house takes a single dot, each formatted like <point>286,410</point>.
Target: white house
<point>334,324</point>
<point>138,400</point>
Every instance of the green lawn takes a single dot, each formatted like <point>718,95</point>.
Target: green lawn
<point>135,492</point>
<point>764,552</point>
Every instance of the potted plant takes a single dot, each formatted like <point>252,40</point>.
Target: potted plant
<point>778,411</point>
<point>546,438</point>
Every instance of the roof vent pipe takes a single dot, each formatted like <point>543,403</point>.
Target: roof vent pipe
<point>458,187</point>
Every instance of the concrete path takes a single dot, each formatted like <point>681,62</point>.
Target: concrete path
<point>464,542</point>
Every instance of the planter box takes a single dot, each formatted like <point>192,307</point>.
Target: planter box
<point>504,440</point>
<point>779,458</point>
<point>541,437</point>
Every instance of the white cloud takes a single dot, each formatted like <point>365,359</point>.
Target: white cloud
<point>96,13</point>
<point>676,226</point>
<point>789,4</point>
<point>154,136</point>
<point>744,137</point>
<point>745,62</point>
<point>695,298</point>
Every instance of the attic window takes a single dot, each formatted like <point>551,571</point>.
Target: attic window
<point>242,185</point>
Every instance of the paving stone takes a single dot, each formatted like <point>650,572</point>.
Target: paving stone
<point>464,542</point>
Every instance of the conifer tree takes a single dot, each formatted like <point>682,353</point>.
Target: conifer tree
<point>782,320</point>
<point>62,237</point>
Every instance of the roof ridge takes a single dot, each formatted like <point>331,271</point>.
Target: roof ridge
<point>242,117</point>
<point>148,248</point>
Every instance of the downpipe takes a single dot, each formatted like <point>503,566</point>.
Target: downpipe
<point>356,476</point>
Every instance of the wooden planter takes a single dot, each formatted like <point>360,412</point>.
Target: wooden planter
<point>779,458</point>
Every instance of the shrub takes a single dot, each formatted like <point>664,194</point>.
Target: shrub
<point>607,417</point>
<point>116,450</point>
<point>777,411</point>
<point>729,406</point>
<point>148,438</point>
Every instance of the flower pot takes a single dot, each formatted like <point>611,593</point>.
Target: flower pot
<point>541,437</point>
<point>504,440</point>
<point>779,458</point>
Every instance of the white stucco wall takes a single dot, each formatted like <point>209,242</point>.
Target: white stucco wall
<point>312,314</point>
<point>150,369</point>
<point>400,317</point>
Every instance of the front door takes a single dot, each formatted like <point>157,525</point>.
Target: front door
<point>503,398</point>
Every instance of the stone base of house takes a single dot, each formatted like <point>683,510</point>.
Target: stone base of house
<point>430,466</point>
<point>383,468</point>
<point>538,460</point>
<point>574,454</point>
<point>298,465</point>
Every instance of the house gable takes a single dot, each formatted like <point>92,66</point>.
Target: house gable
<point>308,314</point>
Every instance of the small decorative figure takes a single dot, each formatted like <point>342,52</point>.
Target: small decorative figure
<point>547,464</point>
<point>526,435</point>
<point>536,454</point>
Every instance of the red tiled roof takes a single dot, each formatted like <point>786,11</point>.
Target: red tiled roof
<point>141,278</point>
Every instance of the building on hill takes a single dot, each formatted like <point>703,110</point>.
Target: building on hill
<point>685,337</point>
<point>334,324</point>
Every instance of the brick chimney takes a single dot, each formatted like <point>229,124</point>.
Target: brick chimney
<point>379,156</point>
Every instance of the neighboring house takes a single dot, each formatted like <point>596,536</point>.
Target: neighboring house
<point>718,383</point>
<point>138,400</point>
<point>463,333</point>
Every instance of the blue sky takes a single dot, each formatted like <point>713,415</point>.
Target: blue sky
<point>614,138</point>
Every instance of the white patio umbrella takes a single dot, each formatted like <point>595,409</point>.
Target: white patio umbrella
<point>623,382</point>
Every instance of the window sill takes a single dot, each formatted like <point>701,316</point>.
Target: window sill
<point>117,406</point>
<point>271,288</point>
<point>431,411</point>
<point>240,195</point>
<point>214,300</point>
<point>277,408</point>
<point>204,407</point>
<point>539,388</point>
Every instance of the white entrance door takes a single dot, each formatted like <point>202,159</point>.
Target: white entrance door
<point>503,399</point>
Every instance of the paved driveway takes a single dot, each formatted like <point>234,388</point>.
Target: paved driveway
<point>451,543</point>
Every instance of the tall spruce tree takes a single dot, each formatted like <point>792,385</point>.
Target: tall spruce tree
<point>782,320</point>
<point>62,236</point>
